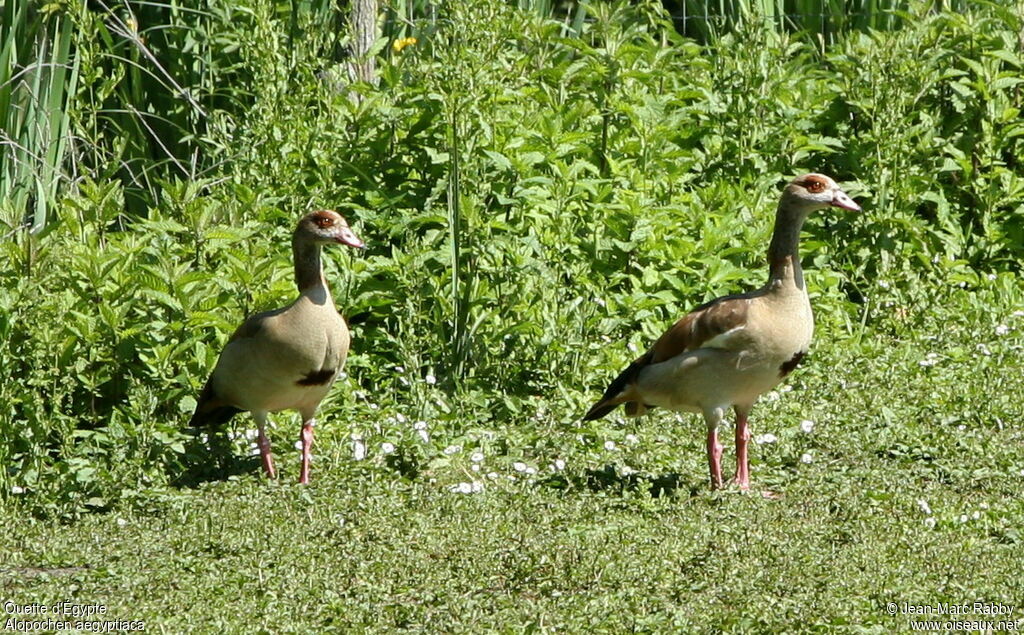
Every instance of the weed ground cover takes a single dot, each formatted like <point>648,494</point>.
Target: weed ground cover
<point>907,494</point>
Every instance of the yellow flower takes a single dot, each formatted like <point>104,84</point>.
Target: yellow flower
<point>400,44</point>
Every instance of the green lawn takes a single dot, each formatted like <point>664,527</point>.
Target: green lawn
<point>911,494</point>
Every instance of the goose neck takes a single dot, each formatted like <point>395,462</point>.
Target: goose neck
<point>784,250</point>
<point>309,274</point>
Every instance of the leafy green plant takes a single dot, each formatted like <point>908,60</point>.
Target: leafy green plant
<point>539,202</point>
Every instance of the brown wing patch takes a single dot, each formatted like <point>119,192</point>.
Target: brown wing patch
<point>701,325</point>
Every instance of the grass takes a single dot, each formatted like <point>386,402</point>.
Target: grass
<point>911,496</point>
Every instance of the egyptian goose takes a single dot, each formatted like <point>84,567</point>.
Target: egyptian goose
<point>728,352</point>
<point>285,359</point>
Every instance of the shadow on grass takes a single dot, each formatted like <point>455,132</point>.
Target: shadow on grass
<point>609,479</point>
<point>214,458</point>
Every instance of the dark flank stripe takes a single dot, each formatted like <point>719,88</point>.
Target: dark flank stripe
<point>787,367</point>
<point>316,377</point>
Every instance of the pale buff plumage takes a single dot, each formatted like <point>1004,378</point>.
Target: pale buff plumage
<point>288,358</point>
<point>728,352</point>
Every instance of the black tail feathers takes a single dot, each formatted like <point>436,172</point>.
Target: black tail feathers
<point>613,395</point>
<point>210,410</point>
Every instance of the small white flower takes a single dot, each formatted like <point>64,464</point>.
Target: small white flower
<point>925,507</point>
<point>631,438</point>
<point>400,418</point>
<point>430,379</point>
<point>121,522</point>
<point>632,347</point>
<point>984,350</point>
<point>807,426</point>
<point>983,506</point>
<point>374,406</point>
<point>1022,471</point>
<point>342,375</point>
<point>477,487</point>
<point>476,457</point>
<point>387,448</point>
<point>404,381</point>
<point>493,475</point>
<point>531,470</point>
<point>1002,329</point>
<point>252,434</point>
<point>976,515</point>
<point>475,467</point>
<point>298,445</point>
<point>519,466</point>
<point>463,488</point>
<point>768,437</point>
<point>599,302</point>
<point>1017,314</point>
<point>883,283</point>
<point>419,425</point>
<point>772,396</point>
<point>15,489</point>
<point>254,450</point>
<point>806,458</point>
<point>929,522</point>
<point>559,464</point>
<point>358,448</point>
<point>626,470</point>
<point>609,445</point>
<point>453,449</point>
<point>399,369</point>
<point>786,388</point>
<point>930,359</point>
<point>963,518</point>
<point>961,427</point>
<point>424,435</point>
<point>338,518</point>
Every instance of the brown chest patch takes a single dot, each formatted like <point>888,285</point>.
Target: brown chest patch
<point>787,367</point>
<point>316,377</point>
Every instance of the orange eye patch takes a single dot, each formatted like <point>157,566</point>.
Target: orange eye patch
<point>814,186</point>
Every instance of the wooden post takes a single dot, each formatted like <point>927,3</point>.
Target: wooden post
<point>363,23</point>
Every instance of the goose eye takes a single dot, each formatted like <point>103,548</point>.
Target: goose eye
<point>323,222</point>
<point>815,187</point>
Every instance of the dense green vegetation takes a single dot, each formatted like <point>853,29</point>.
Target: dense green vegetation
<point>540,199</point>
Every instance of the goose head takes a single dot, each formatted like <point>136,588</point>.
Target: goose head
<point>812,192</point>
<point>325,227</point>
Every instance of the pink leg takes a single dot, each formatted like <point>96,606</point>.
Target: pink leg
<point>307,442</point>
<point>714,457</point>
<point>742,478</point>
<point>264,445</point>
